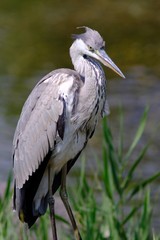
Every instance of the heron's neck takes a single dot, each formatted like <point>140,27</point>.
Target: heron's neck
<point>94,84</point>
<point>78,60</point>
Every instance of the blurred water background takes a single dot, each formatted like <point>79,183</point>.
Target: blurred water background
<point>35,37</point>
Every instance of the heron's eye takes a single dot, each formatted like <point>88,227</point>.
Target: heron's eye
<point>102,48</point>
<point>91,49</point>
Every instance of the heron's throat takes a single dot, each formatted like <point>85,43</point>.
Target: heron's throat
<point>76,54</point>
<point>79,64</point>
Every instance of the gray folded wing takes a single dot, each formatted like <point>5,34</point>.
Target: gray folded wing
<point>36,129</point>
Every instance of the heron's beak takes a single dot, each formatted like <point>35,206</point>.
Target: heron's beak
<point>106,60</point>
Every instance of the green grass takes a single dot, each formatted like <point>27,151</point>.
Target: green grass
<point>110,206</point>
<point>123,209</point>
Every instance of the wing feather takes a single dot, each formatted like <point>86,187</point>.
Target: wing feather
<point>36,129</point>
<point>40,121</point>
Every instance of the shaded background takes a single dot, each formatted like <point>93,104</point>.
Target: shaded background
<point>35,39</point>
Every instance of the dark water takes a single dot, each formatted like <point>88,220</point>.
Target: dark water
<point>35,38</point>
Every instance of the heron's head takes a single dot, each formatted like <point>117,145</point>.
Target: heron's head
<point>92,44</point>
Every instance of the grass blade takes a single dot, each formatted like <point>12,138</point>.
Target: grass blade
<point>145,219</point>
<point>144,184</point>
<point>146,210</point>
<point>7,194</point>
<point>131,214</point>
<point>133,167</point>
<point>121,137</point>
<point>62,219</point>
<point>111,155</point>
<point>138,134</point>
<point>107,175</point>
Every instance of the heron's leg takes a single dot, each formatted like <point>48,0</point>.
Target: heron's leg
<point>51,206</point>
<point>64,197</point>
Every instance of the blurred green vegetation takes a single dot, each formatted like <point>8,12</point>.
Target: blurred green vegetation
<point>35,35</point>
<point>123,210</point>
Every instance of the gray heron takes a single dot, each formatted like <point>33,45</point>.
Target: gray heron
<point>56,122</point>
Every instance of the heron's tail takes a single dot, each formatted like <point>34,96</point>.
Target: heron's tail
<point>23,198</point>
